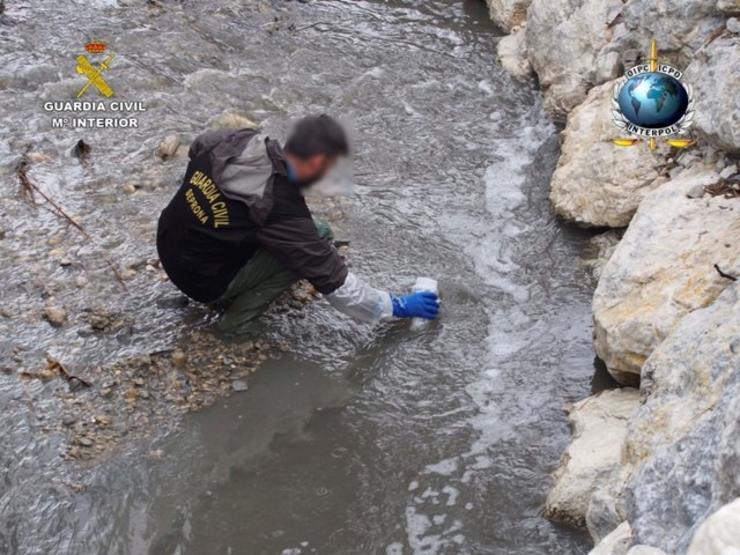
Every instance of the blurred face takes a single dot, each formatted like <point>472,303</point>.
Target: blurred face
<point>310,170</point>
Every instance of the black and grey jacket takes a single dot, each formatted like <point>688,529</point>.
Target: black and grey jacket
<point>236,198</point>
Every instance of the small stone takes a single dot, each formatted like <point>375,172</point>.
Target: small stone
<point>85,442</point>
<point>127,274</point>
<point>68,420</point>
<point>128,188</point>
<point>168,146</point>
<point>696,191</point>
<point>57,253</point>
<point>65,262</point>
<point>81,281</point>
<point>102,420</point>
<point>733,25</point>
<point>232,120</point>
<point>55,315</point>
<point>139,382</point>
<point>47,374</point>
<point>239,385</point>
<point>728,172</point>
<point>144,394</point>
<point>37,157</point>
<point>179,358</point>
<point>106,392</point>
<point>77,487</point>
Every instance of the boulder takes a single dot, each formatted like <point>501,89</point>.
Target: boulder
<point>616,543</point>
<point>720,533</point>
<point>662,269</point>
<point>713,75</point>
<point>508,13</point>
<point>606,508</point>
<point>681,28</point>
<point>684,441</point>
<point>686,375</point>
<point>565,39</point>
<point>599,426</point>
<point>597,183</point>
<point>512,54</point>
<point>576,44</point>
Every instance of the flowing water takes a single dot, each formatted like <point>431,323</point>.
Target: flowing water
<point>358,439</point>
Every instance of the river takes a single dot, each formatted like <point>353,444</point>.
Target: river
<point>357,439</point>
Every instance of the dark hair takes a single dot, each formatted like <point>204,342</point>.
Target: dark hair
<point>317,135</point>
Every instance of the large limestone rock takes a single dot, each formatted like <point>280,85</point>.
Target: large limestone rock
<point>508,13</point>
<point>684,442</point>
<point>663,268</point>
<point>512,54</point>
<point>616,543</point>
<point>576,44</point>
<point>597,183</point>
<point>720,533</point>
<point>599,427</point>
<point>564,39</point>
<point>714,74</point>
<point>606,508</point>
<point>681,27</point>
<point>686,375</point>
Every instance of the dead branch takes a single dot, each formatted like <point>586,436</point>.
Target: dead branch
<point>28,188</point>
<point>724,275</point>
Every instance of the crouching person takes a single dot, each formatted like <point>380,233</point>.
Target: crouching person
<point>238,232</point>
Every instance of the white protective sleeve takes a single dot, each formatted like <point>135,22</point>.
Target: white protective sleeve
<point>360,301</point>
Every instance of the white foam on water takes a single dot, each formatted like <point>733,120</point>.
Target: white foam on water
<point>485,86</point>
<point>493,252</point>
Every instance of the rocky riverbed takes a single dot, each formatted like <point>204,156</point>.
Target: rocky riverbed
<point>652,467</point>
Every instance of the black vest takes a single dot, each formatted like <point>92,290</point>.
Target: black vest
<point>204,237</point>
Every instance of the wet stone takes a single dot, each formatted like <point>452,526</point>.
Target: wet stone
<point>239,385</point>
<point>168,147</point>
<point>55,315</point>
<point>179,358</point>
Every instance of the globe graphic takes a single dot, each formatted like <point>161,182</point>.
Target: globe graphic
<point>653,100</point>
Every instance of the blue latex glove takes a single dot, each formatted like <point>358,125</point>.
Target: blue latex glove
<point>423,304</point>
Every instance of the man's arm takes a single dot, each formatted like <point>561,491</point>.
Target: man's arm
<point>297,245</point>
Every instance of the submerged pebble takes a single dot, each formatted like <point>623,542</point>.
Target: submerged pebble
<point>239,385</point>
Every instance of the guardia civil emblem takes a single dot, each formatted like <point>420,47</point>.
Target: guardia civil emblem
<point>652,102</point>
<point>94,71</point>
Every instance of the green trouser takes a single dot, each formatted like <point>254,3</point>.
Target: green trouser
<point>256,285</point>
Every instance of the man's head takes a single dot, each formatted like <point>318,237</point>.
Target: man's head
<point>314,146</point>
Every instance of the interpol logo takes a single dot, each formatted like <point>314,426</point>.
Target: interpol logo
<point>651,101</point>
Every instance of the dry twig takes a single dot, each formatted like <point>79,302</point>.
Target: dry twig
<point>29,188</point>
